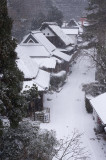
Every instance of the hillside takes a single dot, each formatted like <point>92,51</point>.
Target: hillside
<point>24,11</point>
<point>71,8</point>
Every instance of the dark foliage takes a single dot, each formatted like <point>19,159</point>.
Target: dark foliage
<point>28,142</point>
<point>95,33</point>
<point>10,83</point>
<point>53,15</point>
<point>88,106</point>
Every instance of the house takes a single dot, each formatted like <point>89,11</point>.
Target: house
<point>55,35</point>
<point>34,76</point>
<point>72,33</point>
<point>51,65</point>
<point>63,60</point>
<point>31,46</point>
<point>43,52</point>
<point>32,73</point>
<point>73,24</point>
<point>51,48</point>
<point>84,22</point>
<point>99,111</point>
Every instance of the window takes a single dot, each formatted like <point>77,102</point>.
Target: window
<point>30,41</point>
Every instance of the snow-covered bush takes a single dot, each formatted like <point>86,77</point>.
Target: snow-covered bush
<point>94,89</point>
<point>28,142</point>
<point>58,79</point>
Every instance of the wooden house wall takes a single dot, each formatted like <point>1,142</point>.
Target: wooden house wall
<point>47,32</point>
<point>56,41</point>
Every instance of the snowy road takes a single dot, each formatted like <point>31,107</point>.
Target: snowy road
<point>68,109</point>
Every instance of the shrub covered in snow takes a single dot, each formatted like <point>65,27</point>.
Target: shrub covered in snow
<point>94,89</point>
<point>58,79</point>
<point>28,142</point>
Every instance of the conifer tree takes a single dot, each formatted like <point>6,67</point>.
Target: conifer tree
<point>10,83</point>
<point>55,15</point>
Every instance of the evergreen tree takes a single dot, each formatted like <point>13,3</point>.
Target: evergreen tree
<point>28,142</point>
<point>36,22</point>
<point>95,33</point>
<point>55,15</point>
<point>10,83</point>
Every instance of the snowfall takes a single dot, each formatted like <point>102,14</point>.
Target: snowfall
<point>68,113</point>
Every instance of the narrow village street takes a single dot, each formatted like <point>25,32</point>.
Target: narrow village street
<point>68,109</point>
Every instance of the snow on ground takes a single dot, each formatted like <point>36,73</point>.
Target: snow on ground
<point>68,110</point>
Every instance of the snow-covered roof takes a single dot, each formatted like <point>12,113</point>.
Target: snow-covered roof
<point>59,74</point>
<point>45,62</point>
<point>53,26</point>
<point>64,24</point>
<point>69,48</point>
<point>70,31</point>
<point>42,81</point>
<point>43,40</point>
<point>89,96</point>
<point>26,65</point>
<point>72,23</point>
<point>80,29</point>
<point>29,84</point>
<point>56,59</point>
<point>49,23</point>
<point>86,24</point>
<point>62,55</point>
<point>38,39</point>
<point>58,31</point>
<point>32,51</point>
<point>99,104</point>
<point>61,49</point>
